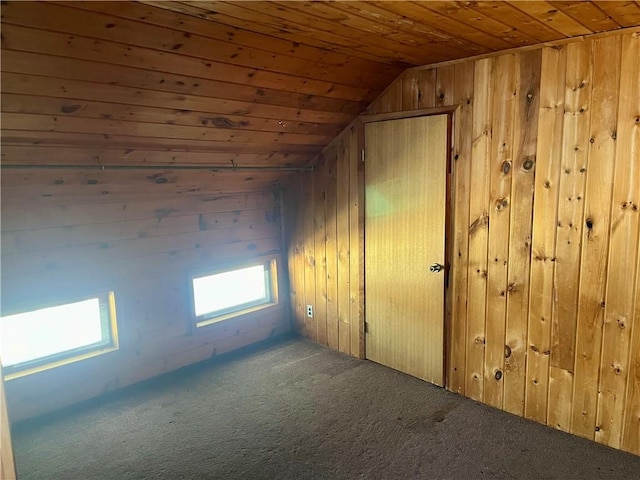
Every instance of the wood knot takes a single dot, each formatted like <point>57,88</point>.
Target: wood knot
<point>70,108</point>
<point>528,163</point>
<point>501,203</point>
<point>506,167</point>
<point>507,351</point>
<point>547,184</point>
<point>498,375</point>
<point>589,223</point>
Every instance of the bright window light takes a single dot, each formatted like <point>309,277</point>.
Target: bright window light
<point>52,333</point>
<point>217,294</point>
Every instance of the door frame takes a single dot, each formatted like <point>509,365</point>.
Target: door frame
<point>449,232</point>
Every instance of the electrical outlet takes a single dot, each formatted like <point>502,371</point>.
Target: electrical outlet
<point>310,311</point>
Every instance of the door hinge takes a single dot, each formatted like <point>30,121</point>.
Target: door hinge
<point>362,155</point>
<point>366,327</point>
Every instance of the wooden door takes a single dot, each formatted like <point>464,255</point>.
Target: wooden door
<point>405,206</point>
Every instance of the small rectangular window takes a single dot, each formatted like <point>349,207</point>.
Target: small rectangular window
<point>58,334</point>
<point>223,293</point>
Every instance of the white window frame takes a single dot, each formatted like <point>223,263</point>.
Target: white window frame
<point>271,287</point>
<point>108,322</point>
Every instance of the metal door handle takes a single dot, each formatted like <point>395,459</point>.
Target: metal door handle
<point>436,267</point>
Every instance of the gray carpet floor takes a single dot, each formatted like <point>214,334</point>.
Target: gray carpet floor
<point>296,410</point>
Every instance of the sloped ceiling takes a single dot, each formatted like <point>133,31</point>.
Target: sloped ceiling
<point>235,84</point>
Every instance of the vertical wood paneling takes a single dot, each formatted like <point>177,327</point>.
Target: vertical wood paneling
<point>463,96</point>
<point>478,228</point>
<point>320,253</point>
<point>331,226</point>
<point>545,180</point>
<point>543,240</point>
<point>500,168</point>
<point>356,240</point>
<point>426,88</point>
<point>295,242</point>
<point>595,234</point>
<point>390,100</point>
<point>410,90</point>
<point>631,432</point>
<point>342,226</point>
<point>444,85</point>
<point>575,145</point>
<point>308,232</point>
<point>523,168</point>
<point>623,250</point>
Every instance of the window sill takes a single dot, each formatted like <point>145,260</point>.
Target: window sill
<point>59,363</point>
<point>228,316</point>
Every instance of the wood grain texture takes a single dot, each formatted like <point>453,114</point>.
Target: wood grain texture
<point>574,165</point>
<point>331,248</point>
<point>463,121</point>
<point>504,86</point>
<point>478,229</point>
<point>569,298</point>
<point>247,77</point>
<point>343,245</point>
<point>623,252</point>
<point>595,233</point>
<point>142,249</point>
<point>545,209</point>
<point>523,168</point>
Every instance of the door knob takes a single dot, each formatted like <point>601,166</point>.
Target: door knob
<point>436,267</point>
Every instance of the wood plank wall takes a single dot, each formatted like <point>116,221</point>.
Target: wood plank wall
<point>545,291</point>
<point>324,238</point>
<point>64,235</point>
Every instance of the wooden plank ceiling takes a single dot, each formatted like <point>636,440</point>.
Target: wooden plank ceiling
<point>226,84</point>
